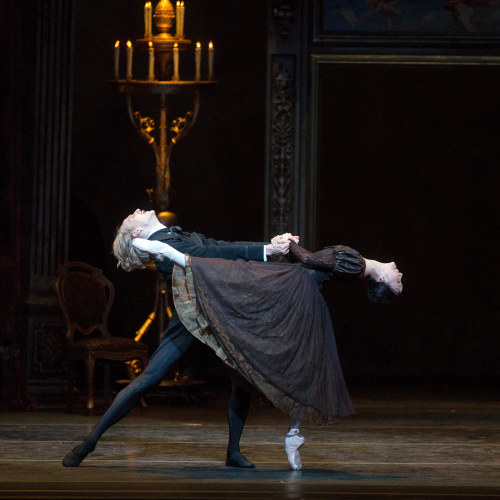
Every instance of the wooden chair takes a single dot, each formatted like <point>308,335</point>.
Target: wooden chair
<point>86,297</point>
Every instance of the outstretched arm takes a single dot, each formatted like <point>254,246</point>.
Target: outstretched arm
<point>342,261</point>
<point>279,244</point>
<point>160,250</point>
<point>322,261</point>
<point>197,245</point>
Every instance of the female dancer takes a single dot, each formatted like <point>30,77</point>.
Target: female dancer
<point>290,352</point>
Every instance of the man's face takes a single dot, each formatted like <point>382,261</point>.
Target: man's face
<point>139,219</point>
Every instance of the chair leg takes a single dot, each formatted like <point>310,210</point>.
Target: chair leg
<point>89,368</point>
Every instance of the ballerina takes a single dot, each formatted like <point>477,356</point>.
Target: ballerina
<point>289,353</point>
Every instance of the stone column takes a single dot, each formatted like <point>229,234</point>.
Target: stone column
<point>53,76</point>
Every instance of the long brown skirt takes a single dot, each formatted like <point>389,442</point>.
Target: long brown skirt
<point>271,323</point>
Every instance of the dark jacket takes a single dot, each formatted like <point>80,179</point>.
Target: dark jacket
<point>197,245</point>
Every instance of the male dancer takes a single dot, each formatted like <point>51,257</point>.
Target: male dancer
<point>176,339</point>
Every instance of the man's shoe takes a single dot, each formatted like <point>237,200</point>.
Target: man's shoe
<point>239,460</point>
<point>75,457</point>
<point>292,446</point>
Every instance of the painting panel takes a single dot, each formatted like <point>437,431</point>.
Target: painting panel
<point>469,18</point>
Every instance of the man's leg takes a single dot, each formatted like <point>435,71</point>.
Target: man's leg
<point>175,341</point>
<point>237,412</point>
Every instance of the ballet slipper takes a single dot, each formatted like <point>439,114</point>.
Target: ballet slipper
<point>75,457</point>
<point>238,460</point>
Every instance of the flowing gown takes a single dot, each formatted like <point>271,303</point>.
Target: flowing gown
<point>270,322</point>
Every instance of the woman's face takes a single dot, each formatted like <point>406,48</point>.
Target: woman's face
<point>393,277</point>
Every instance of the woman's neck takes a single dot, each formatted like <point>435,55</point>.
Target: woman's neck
<point>372,269</point>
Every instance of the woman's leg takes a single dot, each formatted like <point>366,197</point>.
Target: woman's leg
<point>293,441</point>
<point>237,412</point>
<point>172,346</point>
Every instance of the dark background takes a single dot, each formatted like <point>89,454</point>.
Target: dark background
<point>408,171</point>
<point>408,163</point>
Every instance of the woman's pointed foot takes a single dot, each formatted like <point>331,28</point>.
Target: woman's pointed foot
<point>75,457</point>
<point>238,460</point>
<point>292,445</point>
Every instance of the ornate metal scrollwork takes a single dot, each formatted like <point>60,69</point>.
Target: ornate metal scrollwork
<point>145,125</point>
<point>181,125</point>
<point>162,146</point>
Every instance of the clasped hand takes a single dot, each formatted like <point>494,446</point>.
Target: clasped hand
<point>280,244</point>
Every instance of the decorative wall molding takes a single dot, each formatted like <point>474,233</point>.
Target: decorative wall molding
<point>49,354</point>
<point>287,167</point>
<point>284,15</point>
<point>45,357</point>
<point>282,143</point>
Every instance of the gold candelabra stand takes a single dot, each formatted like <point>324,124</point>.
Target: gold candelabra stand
<point>163,80</point>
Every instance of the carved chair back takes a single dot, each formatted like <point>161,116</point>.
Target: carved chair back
<point>86,297</point>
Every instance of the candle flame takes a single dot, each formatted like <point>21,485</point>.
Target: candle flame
<point>117,44</point>
<point>198,45</point>
<point>148,4</point>
<point>176,45</point>
<point>178,4</point>
<point>182,4</point>
<point>150,45</point>
<point>129,44</point>
<point>210,45</point>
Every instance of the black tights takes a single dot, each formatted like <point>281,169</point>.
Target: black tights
<point>170,350</point>
<point>239,404</point>
<point>175,342</point>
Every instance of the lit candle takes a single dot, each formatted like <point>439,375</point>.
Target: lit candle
<point>148,20</point>
<point>151,62</point>
<point>197,60</point>
<point>180,34</point>
<point>176,62</point>
<point>117,60</point>
<point>210,60</point>
<point>130,51</point>
<point>178,19</point>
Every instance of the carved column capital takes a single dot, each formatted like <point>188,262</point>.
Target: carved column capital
<point>284,14</point>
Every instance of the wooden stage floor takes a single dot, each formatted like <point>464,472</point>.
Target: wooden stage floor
<point>398,445</point>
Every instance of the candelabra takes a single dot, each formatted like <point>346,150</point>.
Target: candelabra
<point>163,80</point>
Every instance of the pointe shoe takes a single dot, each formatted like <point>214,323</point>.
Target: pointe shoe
<point>292,446</point>
<point>239,460</point>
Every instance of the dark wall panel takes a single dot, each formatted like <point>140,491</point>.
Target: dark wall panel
<point>408,171</point>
